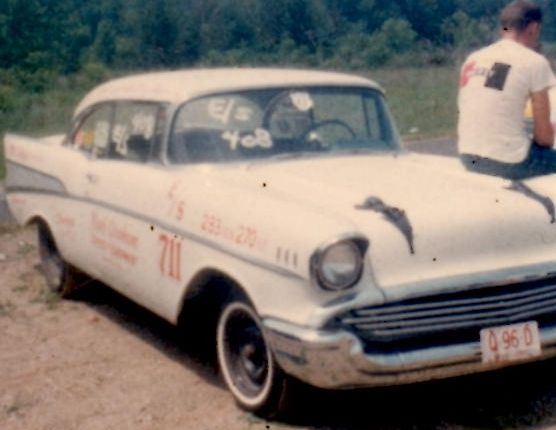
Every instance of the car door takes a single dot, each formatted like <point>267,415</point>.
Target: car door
<point>71,217</point>
<point>128,187</point>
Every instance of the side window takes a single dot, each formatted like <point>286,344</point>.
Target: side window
<point>93,132</point>
<point>135,131</point>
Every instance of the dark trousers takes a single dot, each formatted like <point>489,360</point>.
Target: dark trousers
<point>540,161</point>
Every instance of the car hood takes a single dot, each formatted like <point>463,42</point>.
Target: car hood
<point>462,225</point>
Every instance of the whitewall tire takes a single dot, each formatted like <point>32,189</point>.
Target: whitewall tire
<point>246,362</point>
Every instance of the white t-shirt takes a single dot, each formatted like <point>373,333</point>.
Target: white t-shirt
<point>495,83</point>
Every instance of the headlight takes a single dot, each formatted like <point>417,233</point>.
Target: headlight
<point>339,265</point>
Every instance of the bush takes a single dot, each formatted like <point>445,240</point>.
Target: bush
<point>35,81</point>
<point>423,54</point>
<point>549,50</point>
<point>349,50</point>
<point>464,33</point>
<point>289,53</point>
<point>7,98</point>
<point>393,43</point>
<point>397,35</point>
<point>94,73</point>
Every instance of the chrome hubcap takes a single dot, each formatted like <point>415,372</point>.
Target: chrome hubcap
<point>246,353</point>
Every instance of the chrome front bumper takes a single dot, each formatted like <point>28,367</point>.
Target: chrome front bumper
<point>336,359</point>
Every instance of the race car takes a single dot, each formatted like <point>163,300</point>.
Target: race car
<point>275,213</point>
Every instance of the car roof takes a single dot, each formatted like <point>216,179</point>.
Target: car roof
<point>182,85</point>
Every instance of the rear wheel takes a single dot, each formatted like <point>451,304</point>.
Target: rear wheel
<point>247,364</point>
<point>61,278</point>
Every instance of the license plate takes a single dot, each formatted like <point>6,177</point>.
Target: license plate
<point>510,342</point>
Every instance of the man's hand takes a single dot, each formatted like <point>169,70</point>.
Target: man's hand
<point>543,131</point>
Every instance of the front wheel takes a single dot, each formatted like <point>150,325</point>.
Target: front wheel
<point>247,364</point>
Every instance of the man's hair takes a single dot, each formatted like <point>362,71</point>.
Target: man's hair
<point>519,14</point>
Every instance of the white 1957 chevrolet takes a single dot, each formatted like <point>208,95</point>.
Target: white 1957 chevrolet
<point>275,211</point>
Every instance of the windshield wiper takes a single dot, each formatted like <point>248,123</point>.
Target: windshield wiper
<point>298,154</point>
<point>355,151</point>
<point>323,153</point>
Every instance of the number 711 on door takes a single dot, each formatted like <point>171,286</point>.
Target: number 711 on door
<point>170,256</point>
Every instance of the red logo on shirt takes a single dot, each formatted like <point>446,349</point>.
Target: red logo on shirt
<point>466,73</point>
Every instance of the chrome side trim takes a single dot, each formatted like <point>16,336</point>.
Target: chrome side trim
<point>164,226</point>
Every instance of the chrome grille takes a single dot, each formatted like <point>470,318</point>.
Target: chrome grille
<point>449,317</point>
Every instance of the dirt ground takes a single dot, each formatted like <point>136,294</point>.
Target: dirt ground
<point>100,362</point>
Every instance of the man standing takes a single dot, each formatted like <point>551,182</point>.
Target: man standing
<point>495,84</point>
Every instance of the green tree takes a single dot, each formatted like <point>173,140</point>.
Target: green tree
<point>464,32</point>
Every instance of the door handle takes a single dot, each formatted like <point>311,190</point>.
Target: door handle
<point>92,178</point>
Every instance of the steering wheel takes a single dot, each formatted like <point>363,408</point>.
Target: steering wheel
<point>325,123</point>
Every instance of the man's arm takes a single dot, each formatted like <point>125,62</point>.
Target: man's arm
<point>543,131</point>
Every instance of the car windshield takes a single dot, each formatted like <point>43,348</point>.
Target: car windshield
<point>281,123</point>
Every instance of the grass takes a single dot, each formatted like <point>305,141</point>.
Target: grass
<point>9,229</point>
<point>422,100</point>
<point>43,110</point>
<point>20,289</point>
<point>49,298</point>
<point>16,406</point>
<point>39,114</point>
<point>2,162</point>
<point>6,308</point>
<point>24,249</point>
